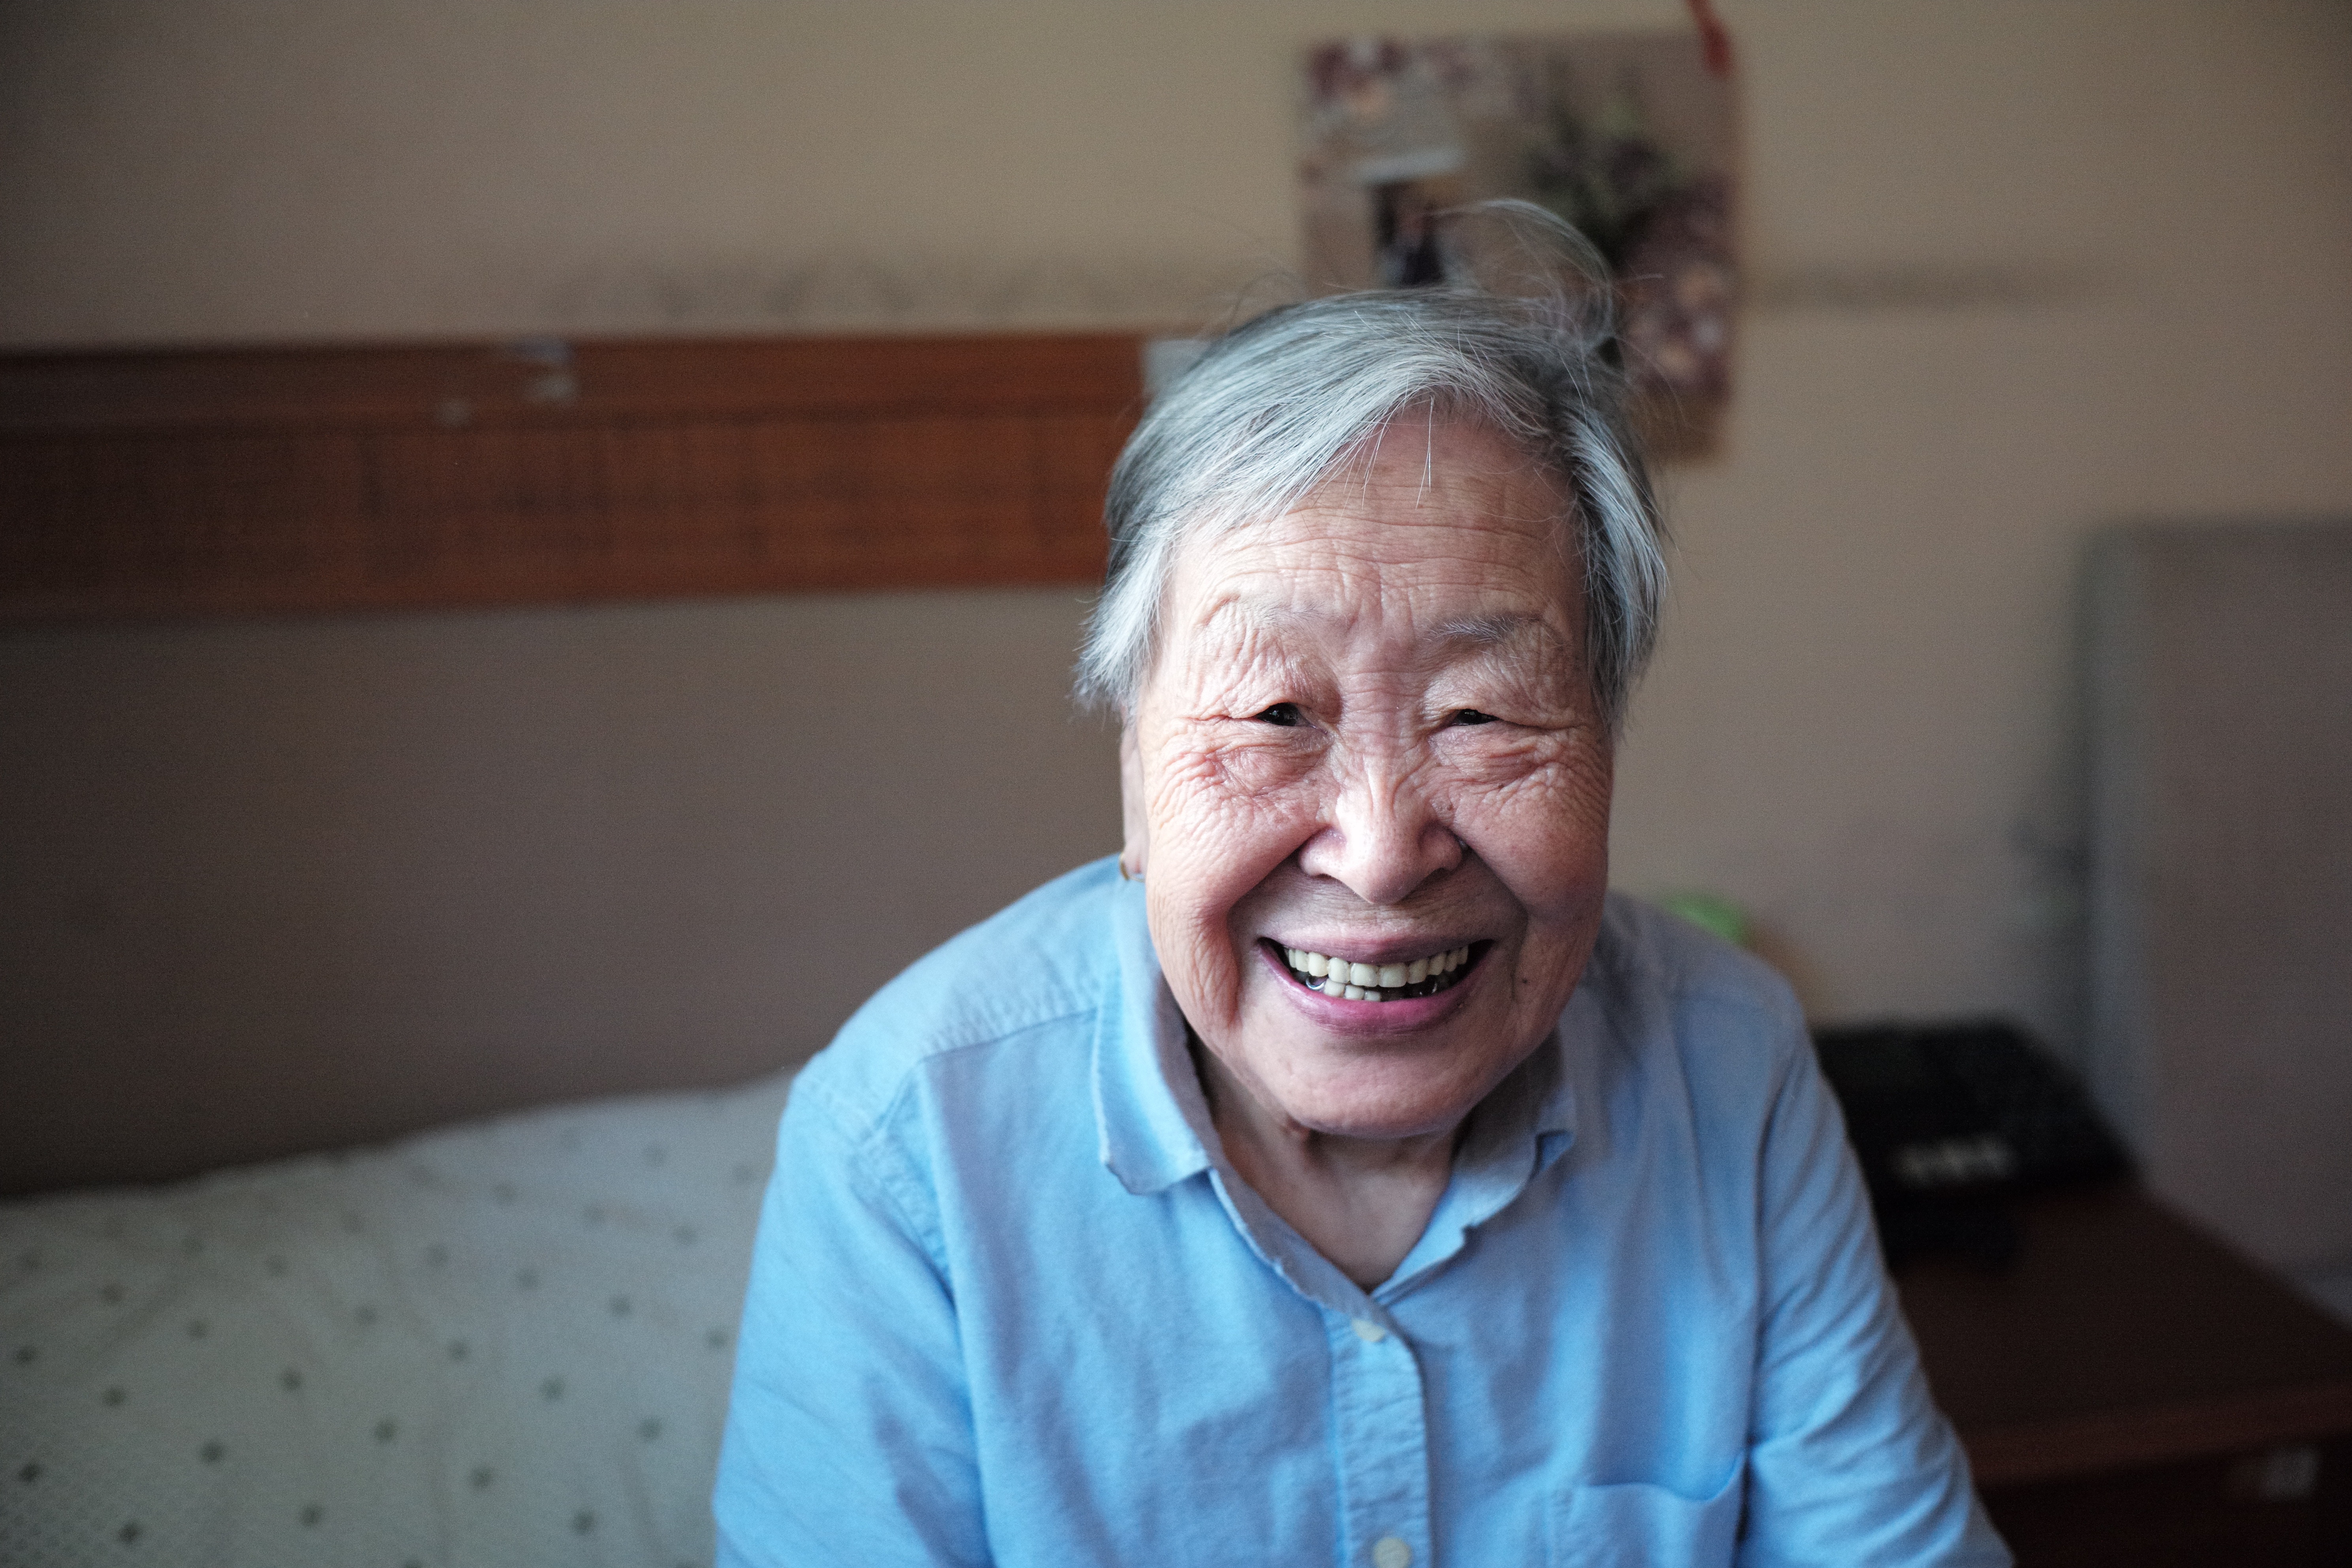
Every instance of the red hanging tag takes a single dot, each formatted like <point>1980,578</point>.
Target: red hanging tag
<point>1713,37</point>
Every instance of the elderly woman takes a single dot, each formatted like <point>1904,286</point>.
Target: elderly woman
<point>1343,1175</point>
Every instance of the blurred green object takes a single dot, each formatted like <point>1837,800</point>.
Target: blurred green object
<point>1710,913</point>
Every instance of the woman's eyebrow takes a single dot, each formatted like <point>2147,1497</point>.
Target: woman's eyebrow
<point>1239,635</point>
<point>1237,623</point>
<point>1503,629</point>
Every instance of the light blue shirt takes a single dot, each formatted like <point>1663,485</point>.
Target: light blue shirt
<point>1009,1305</point>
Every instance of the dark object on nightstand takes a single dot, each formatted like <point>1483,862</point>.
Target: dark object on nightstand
<point>1951,1122</point>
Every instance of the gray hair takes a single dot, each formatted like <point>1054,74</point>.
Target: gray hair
<point>1280,405</point>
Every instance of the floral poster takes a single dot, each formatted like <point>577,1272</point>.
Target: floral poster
<point>1629,136</point>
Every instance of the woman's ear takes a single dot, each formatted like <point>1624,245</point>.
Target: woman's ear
<point>1137,833</point>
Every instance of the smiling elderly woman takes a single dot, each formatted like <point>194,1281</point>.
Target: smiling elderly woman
<point>1344,1177</point>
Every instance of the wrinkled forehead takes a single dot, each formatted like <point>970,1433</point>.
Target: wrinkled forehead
<point>1428,493</point>
<point>1428,462</point>
<point>1436,541</point>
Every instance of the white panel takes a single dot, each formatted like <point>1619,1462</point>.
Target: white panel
<point>2222,873</point>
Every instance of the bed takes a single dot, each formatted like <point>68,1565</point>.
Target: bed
<point>503,1342</point>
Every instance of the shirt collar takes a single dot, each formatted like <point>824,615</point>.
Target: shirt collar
<point>1520,1127</point>
<point>1148,1101</point>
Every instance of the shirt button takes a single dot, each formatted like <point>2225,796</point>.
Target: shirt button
<point>1388,1552</point>
<point>1371,1333</point>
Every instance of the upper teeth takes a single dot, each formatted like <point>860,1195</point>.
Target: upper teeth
<point>1359,982</point>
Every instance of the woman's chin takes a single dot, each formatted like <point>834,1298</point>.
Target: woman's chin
<point>1380,1102</point>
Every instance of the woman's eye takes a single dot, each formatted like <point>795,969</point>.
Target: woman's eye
<point>1472,716</point>
<point>1285,714</point>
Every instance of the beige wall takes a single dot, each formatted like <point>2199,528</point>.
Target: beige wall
<point>2021,268</point>
<point>277,884</point>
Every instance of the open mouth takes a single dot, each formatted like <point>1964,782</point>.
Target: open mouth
<point>1380,982</point>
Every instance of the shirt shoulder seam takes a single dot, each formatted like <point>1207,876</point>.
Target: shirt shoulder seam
<point>858,1124</point>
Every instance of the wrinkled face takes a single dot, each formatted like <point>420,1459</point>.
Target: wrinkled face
<point>1368,787</point>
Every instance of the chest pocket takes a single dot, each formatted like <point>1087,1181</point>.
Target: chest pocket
<point>1637,1525</point>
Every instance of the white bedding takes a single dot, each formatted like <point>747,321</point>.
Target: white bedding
<point>505,1343</point>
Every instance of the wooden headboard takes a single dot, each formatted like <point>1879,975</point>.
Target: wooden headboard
<point>305,478</point>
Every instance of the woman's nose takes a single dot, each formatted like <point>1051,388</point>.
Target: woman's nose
<point>1382,842</point>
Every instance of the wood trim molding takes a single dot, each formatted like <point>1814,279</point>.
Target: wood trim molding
<point>293,480</point>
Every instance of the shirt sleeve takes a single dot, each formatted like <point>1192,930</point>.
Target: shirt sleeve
<point>849,1436</point>
<point>1849,1459</point>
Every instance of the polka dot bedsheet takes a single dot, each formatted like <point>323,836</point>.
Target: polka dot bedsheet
<point>505,1343</point>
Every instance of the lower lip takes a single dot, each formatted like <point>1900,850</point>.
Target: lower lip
<point>1368,1017</point>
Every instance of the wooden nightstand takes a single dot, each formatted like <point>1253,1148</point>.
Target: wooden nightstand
<point>2131,1391</point>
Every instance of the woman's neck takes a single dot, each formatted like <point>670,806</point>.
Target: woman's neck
<point>1360,1202</point>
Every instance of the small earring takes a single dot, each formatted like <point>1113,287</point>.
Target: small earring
<point>1126,876</point>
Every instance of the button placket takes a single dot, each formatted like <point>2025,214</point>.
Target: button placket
<point>1383,1433</point>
